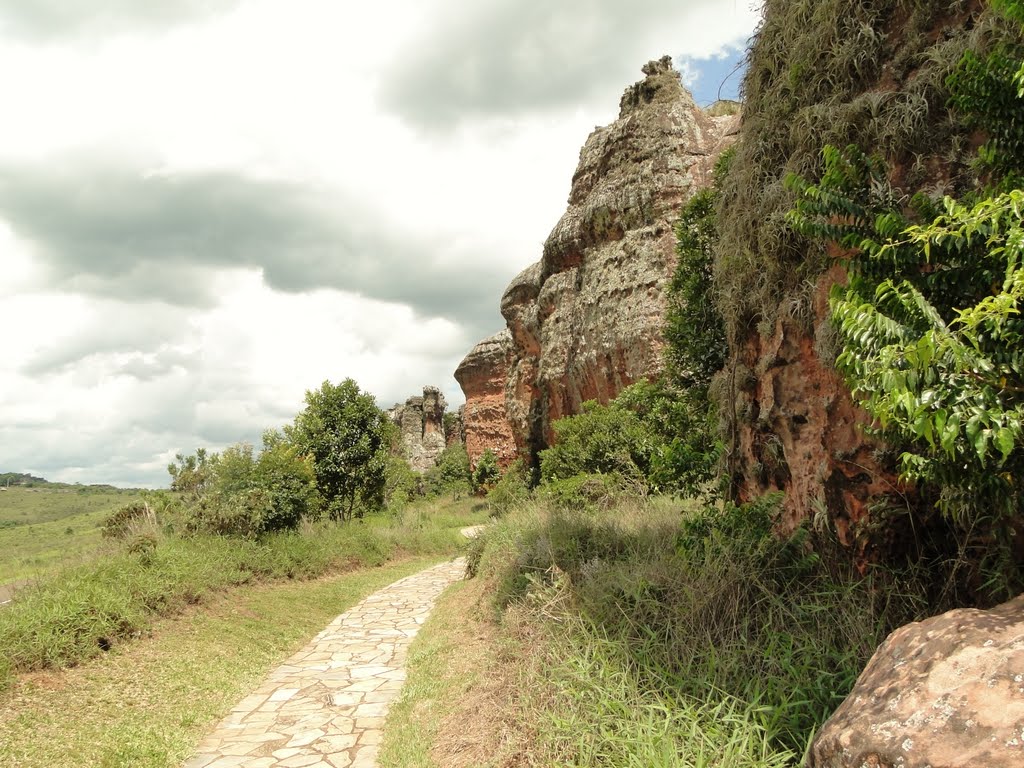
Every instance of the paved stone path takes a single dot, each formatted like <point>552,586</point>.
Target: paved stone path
<point>325,706</point>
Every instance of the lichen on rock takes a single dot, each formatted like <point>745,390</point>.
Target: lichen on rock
<point>944,692</point>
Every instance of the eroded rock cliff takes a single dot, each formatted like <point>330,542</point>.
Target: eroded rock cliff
<point>421,421</point>
<point>585,321</point>
<point>792,424</point>
<point>482,376</point>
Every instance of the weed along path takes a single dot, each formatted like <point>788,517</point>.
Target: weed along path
<point>325,706</point>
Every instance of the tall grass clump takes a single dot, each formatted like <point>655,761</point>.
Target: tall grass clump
<point>660,618</point>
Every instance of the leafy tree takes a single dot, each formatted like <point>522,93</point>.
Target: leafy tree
<point>487,470</point>
<point>602,439</point>
<point>347,437</point>
<point>287,479</point>
<point>683,425</point>
<point>249,495</point>
<point>190,474</point>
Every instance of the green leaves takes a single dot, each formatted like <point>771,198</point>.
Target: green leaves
<point>346,435</point>
<point>930,320</point>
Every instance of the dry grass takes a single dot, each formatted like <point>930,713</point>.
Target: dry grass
<point>459,706</point>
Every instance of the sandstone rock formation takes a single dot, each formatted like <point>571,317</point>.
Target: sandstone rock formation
<point>944,692</point>
<point>482,376</point>
<point>455,427</point>
<point>421,421</point>
<point>585,321</point>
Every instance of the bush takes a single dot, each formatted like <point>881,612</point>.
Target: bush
<point>451,474</point>
<point>602,439</point>
<point>487,471</point>
<point>511,490</point>
<point>401,484</point>
<point>710,607</point>
<point>583,491</point>
<point>127,519</point>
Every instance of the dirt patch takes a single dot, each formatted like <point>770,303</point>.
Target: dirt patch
<point>482,727</point>
<point>7,590</point>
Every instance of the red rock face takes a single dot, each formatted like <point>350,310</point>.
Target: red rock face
<point>585,321</point>
<point>482,376</point>
<point>798,429</point>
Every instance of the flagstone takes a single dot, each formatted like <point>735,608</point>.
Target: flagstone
<point>325,706</point>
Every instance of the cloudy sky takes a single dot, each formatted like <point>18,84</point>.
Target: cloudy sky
<point>208,207</point>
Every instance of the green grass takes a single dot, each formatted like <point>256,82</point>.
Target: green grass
<point>593,708</point>
<point>34,550</point>
<point>147,704</point>
<point>42,529</point>
<point>664,636</point>
<point>27,506</point>
<point>413,720</point>
<point>77,613</point>
<point>457,708</point>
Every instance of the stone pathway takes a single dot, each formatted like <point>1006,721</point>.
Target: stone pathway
<point>325,706</point>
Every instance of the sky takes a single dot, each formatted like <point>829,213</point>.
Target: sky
<point>208,207</point>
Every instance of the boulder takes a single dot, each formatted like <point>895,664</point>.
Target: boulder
<point>942,693</point>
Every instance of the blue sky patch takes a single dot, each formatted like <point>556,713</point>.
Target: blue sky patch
<point>715,77</point>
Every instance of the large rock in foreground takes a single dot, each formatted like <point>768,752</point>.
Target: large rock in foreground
<point>944,692</point>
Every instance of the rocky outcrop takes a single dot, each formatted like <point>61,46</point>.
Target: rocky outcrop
<point>944,692</point>
<point>421,421</point>
<point>585,321</point>
<point>792,424</point>
<point>455,427</point>
<point>482,376</point>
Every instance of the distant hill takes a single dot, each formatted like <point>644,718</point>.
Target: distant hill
<point>12,479</point>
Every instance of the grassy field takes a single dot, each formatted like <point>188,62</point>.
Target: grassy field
<point>28,506</point>
<point>146,704</point>
<point>42,529</point>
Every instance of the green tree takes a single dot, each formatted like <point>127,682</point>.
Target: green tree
<point>287,479</point>
<point>190,474</point>
<point>347,437</point>
<point>694,330</point>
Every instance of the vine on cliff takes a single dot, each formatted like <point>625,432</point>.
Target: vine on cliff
<point>930,317</point>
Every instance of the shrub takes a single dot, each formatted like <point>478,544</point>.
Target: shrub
<point>602,439</point>
<point>511,490</point>
<point>709,607</point>
<point>126,519</point>
<point>451,474</point>
<point>583,491</point>
<point>486,472</point>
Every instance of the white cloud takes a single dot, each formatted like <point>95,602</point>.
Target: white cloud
<point>111,362</point>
